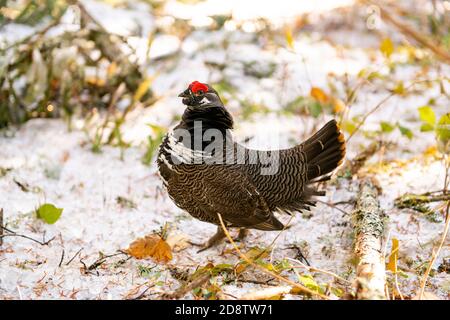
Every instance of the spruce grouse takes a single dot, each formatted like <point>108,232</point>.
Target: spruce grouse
<point>206,173</point>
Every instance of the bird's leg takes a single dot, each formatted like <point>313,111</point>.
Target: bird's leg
<point>243,232</point>
<point>214,240</point>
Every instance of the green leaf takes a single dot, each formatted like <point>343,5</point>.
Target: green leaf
<point>349,126</point>
<point>315,109</point>
<point>406,132</point>
<point>386,127</point>
<point>309,282</point>
<point>426,127</point>
<point>223,267</point>
<point>153,142</point>
<point>427,115</point>
<point>49,213</point>
<point>443,130</point>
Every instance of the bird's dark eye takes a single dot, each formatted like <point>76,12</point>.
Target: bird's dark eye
<point>199,92</point>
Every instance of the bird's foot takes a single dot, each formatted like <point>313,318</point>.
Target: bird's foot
<point>299,254</point>
<point>243,232</point>
<point>213,241</point>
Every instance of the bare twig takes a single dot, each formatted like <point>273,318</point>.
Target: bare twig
<point>15,234</point>
<point>351,168</point>
<point>62,259</point>
<point>379,104</point>
<point>265,282</point>
<point>249,261</point>
<point>139,297</point>
<point>97,263</point>
<point>435,253</point>
<point>363,120</point>
<point>184,289</point>
<point>1,226</point>
<point>332,205</point>
<point>408,31</point>
<point>71,259</point>
<point>314,269</point>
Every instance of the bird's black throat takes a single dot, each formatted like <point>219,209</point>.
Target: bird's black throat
<point>197,120</point>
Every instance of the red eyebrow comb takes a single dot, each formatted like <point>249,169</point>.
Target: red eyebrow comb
<point>198,86</point>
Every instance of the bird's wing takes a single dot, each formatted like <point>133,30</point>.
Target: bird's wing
<point>227,190</point>
<point>283,189</point>
<point>291,187</point>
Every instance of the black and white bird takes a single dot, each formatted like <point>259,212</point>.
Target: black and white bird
<point>207,177</point>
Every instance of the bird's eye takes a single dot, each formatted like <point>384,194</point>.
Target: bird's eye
<point>199,92</point>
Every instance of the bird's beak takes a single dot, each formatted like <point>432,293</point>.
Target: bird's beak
<point>183,95</point>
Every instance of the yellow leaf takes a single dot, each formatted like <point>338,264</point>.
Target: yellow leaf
<point>95,81</point>
<point>431,151</point>
<point>152,246</point>
<point>319,95</point>
<point>289,38</point>
<point>253,254</point>
<point>112,68</point>
<point>387,47</point>
<point>338,105</point>
<point>399,88</point>
<point>393,257</point>
<point>427,296</point>
<point>142,89</point>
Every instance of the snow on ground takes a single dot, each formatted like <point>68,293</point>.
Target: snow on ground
<point>57,166</point>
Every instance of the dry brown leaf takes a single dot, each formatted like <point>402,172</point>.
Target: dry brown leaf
<point>319,95</point>
<point>152,246</point>
<point>178,241</point>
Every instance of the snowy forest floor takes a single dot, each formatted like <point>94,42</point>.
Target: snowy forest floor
<point>110,198</point>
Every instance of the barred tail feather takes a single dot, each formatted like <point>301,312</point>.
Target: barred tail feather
<point>324,151</point>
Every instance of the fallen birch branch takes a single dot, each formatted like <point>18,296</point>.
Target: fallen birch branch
<point>1,226</point>
<point>369,224</point>
<point>267,293</point>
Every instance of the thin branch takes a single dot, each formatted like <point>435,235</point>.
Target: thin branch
<point>67,263</point>
<point>423,40</point>
<point>435,253</point>
<point>360,124</point>
<point>379,104</point>
<point>184,289</point>
<point>314,269</point>
<point>15,234</point>
<point>62,259</point>
<point>139,297</point>
<point>332,205</point>
<point>1,226</point>
<point>249,261</point>
<point>103,259</point>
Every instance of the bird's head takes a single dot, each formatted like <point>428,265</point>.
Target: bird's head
<point>198,93</point>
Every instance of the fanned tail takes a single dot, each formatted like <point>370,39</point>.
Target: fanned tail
<point>324,151</point>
